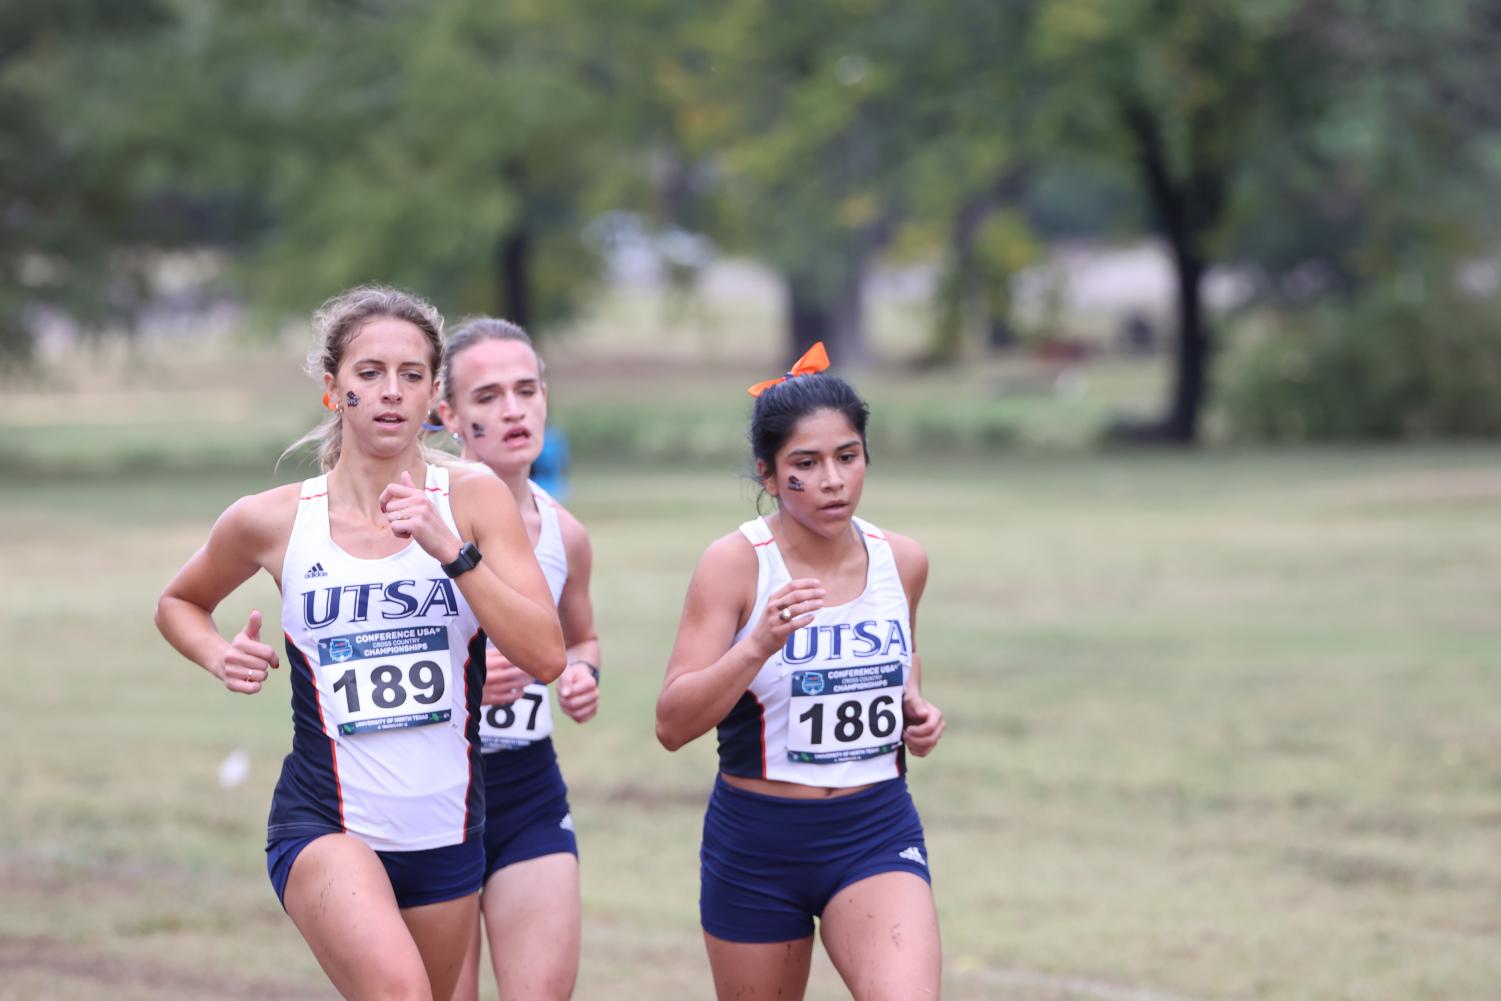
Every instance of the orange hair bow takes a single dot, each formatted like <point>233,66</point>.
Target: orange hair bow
<point>814,360</point>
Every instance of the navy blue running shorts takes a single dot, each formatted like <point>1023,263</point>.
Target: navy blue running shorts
<point>430,876</point>
<point>769,865</point>
<point>526,807</point>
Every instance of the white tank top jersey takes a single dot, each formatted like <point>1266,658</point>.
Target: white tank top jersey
<point>826,710</point>
<point>529,718</point>
<point>386,662</point>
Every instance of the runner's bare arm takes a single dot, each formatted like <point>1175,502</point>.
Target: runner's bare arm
<point>251,535</point>
<point>706,674</point>
<point>924,722</point>
<point>507,591</point>
<point>578,688</point>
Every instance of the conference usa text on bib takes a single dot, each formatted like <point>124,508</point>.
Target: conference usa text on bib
<point>386,679</point>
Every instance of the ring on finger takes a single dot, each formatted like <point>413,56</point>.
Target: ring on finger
<point>785,615</point>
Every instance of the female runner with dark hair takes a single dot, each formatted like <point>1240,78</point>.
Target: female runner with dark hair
<point>797,642</point>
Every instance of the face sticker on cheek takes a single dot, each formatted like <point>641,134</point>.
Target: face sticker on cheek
<point>793,483</point>
<point>351,399</point>
<point>477,429</point>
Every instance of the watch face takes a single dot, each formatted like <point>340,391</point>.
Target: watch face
<point>467,559</point>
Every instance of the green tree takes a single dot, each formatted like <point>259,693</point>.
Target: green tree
<point>1181,90</point>
<point>80,210</point>
<point>1235,117</point>
<point>970,106</point>
<point>823,122</point>
<point>449,148</point>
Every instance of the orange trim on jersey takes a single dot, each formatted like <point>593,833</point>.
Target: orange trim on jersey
<point>758,545</point>
<point>538,494</point>
<point>762,714</point>
<point>333,747</point>
<point>314,496</point>
<point>469,751</point>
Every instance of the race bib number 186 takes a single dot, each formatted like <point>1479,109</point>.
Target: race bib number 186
<point>845,713</point>
<point>386,679</point>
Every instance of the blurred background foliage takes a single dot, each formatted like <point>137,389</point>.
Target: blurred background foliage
<point>1325,157</point>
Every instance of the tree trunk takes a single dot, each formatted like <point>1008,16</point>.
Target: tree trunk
<point>828,303</point>
<point>512,278</point>
<point>957,291</point>
<point>1187,210</point>
<point>838,319</point>
<point>513,253</point>
<point>967,285</point>
<point>1182,422</point>
<point>808,320</point>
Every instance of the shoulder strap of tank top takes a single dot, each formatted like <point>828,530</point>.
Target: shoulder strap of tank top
<point>312,507</point>
<point>877,545</point>
<point>757,531</point>
<point>310,534</point>
<point>437,489</point>
<point>765,544</point>
<point>547,509</point>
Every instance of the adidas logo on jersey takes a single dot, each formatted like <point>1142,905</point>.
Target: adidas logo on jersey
<point>913,854</point>
<point>567,822</point>
<point>316,570</point>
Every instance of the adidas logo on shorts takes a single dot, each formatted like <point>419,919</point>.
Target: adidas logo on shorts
<point>316,570</point>
<point>913,854</point>
<point>567,822</point>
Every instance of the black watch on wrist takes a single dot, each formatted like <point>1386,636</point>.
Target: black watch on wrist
<point>468,559</point>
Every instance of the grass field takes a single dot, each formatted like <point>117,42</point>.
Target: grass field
<point>1221,726</point>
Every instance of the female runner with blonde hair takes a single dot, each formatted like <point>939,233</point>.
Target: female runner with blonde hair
<point>394,569</point>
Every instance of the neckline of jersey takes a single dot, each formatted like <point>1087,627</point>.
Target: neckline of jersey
<point>870,566</point>
<point>427,475</point>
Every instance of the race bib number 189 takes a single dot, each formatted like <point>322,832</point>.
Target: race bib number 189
<point>845,713</point>
<point>386,679</point>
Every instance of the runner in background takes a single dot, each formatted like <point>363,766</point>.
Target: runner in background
<point>494,402</point>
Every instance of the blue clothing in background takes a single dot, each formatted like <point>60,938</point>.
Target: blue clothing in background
<point>551,468</point>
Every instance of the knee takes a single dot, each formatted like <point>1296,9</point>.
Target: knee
<point>554,985</point>
<point>400,985</point>
<point>918,984</point>
<point>917,989</point>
